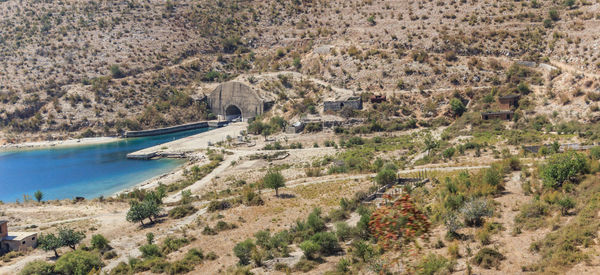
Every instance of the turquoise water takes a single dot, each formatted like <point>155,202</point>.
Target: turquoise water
<point>86,171</point>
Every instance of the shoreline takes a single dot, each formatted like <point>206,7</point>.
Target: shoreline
<point>57,143</point>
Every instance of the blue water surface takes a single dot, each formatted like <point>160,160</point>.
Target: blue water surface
<point>86,171</point>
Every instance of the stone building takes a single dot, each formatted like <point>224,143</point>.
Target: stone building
<point>509,101</point>
<point>15,241</point>
<point>354,103</point>
<point>235,100</point>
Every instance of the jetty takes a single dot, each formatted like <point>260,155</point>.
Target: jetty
<point>181,147</point>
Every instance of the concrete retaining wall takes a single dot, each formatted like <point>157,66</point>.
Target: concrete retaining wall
<point>167,130</point>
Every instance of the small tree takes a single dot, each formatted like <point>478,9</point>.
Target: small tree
<point>243,251</point>
<point>565,203</point>
<point>457,106</point>
<point>274,180</point>
<point>385,177</point>
<point>139,211</point>
<point>136,213</point>
<point>562,167</point>
<point>430,143</point>
<point>449,153</point>
<point>70,237</point>
<point>49,242</point>
<point>38,195</point>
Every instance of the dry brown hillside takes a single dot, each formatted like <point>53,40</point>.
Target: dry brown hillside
<point>99,67</point>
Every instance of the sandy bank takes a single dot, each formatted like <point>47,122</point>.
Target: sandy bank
<point>58,143</point>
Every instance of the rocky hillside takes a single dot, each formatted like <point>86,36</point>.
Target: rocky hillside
<point>96,68</point>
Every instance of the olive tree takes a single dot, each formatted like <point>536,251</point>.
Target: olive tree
<point>49,242</point>
<point>70,237</point>
<point>274,180</point>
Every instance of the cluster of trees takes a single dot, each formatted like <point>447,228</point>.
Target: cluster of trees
<point>275,124</point>
<point>65,237</point>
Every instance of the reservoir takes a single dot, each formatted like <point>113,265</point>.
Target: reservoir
<point>85,171</point>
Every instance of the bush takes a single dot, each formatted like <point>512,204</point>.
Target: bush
<point>532,214</point>
<point>171,244</point>
<point>488,258</point>
<point>99,242</point>
<point>182,211</point>
<point>565,204</point>
<point>218,205</point>
<point>78,262</point>
<point>474,211</point>
<point>243,251</point>
<point>304,266</point>
<point>338,215</point>
<point>457,107</point>
<point>363,251</point>
<point>343,231</point>
<point>562,167</point>
<point>328,243</point>
<point>150,251</point>
<point>385,177</point>
<point>595,153</point>
<point>310,249</point>
<point>435,264</point>
<point>315,222</point>
<point>38,267</point>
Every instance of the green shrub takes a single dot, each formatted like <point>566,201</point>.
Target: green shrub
<point>488,258</point>
<point>218,205</point>
<point>434,264</point>
<point>100,242</point>
<point>171,244</point>
<point>474,211</point>
<point>385,177</point>
<point>327,241</point>
<point>314,221</point>
<point>457,106</point>
<point>38,267</point>
<point>310,249</point>
<point>222,226</point>
<point>562,167</point>
<point>532,214</point>
<point>78,262</point>
<point>343,231</point>
<point>150,251</point>
<point>304,266</point>
<point>565,203</point>
<point>338,215</point>
<point>595,153</point>
<point>363,251</point>
<point>182,211</point>
<point>243,251</point>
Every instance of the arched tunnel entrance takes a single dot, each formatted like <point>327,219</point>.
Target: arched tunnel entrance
<point>232,112</point>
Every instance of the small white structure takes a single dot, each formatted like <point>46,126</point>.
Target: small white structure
<point>15,241</point>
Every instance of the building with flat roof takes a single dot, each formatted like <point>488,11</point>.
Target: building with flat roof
<point>15,241</point>
<point>504,115</point>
